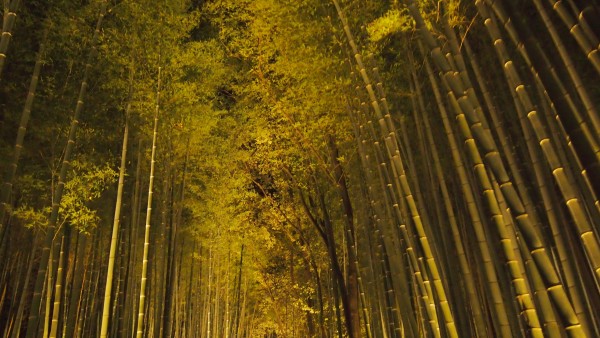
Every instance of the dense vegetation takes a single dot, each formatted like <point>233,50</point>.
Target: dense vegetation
<point>300,168</point>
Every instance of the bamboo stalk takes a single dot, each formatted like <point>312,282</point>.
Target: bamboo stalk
<point>116,219</point>
<point>144,276</point>
<point>7,26</point>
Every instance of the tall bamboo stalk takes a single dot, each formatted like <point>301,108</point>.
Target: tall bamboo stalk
<point>136,207</point>
<point>58,289</point>
<point>141,307</point>
<point>116,219</point>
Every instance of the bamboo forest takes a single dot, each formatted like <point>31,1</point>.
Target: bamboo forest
<point>300,168</point>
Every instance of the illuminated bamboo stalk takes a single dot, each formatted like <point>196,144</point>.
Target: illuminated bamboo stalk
<point>136,207</point>
<point>48,291</point>
<point>116,220</point>
<point>58,289</point>
<point>144,276</point>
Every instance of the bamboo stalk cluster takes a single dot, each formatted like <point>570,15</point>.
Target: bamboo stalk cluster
<point>527,198</point>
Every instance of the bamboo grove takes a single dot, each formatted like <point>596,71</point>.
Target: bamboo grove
<point>300,168</point>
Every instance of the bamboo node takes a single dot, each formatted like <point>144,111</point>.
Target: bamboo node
<point>531,114</point>
<point>538,250</point>
<point>557,170</point>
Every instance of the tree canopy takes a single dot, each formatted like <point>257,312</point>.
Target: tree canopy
<point>300,168</point>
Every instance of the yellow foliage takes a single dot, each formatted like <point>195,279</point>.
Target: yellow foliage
<point>393,21</point>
